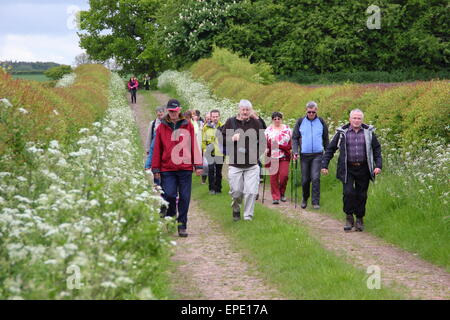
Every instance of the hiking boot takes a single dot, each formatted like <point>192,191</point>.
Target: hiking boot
<point>283,198</point>
<point>316,206</point>
<point>182,233</point>
<point>236,215</point>
<point>303,204</point>
<point>349,223</point>
<point>359,224</point>
<point>276,202</point>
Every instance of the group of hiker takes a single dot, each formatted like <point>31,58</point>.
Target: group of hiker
<point>179,144</point>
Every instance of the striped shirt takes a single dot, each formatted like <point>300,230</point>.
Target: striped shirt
<point>356,146</point>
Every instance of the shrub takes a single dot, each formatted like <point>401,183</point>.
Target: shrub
<point>57,73</point>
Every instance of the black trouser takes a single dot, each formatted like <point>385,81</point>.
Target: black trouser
<point>133,95</point>
<point>355,190</point>
<point>311,165</point>
<point>215,177</point>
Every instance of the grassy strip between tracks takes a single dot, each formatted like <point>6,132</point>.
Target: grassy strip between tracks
<point>286,255</point>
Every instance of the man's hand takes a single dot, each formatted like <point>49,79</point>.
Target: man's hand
<point>324,171</point>
<point>157,175</point>
<point>295,156</point>
<point>235,137</point>
<point>198,172</point>
<point>376,171</point>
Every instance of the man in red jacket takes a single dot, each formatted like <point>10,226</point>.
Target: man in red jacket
<point>175,156</point>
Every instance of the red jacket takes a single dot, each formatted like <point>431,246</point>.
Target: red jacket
<point>133,84</point>
<point>176,147</point>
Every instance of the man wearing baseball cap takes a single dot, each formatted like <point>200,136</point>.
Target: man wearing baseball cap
<point>175,156</point>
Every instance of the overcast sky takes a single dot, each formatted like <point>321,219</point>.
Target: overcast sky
<point>40,30</point>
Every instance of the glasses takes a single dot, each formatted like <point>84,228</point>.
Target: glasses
<point>311,112</point>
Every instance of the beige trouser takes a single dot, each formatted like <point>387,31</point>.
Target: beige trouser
<point>244,184</point>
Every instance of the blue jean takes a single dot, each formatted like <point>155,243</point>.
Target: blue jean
<point>311,165</point>
<point>176,183</point>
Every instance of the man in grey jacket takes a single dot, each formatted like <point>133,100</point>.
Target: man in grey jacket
<point>359,162</point>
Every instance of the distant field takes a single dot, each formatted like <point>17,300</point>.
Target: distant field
<point>35,77</point>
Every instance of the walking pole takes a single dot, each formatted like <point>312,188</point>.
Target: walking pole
<point>291,174</point>
<point>264,186</point>
<point>295,184</point>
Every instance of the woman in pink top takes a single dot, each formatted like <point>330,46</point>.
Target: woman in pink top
<point>278,136</point>
<point>133,85</point>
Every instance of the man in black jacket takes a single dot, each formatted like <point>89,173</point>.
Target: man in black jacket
<point>359,162</point>
<point>244,142</point>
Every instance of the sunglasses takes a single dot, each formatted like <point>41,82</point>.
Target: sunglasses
<point>311,112</point>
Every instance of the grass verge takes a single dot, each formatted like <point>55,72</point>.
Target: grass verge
<point>287,256</point>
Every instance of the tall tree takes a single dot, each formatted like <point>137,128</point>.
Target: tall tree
<point>125,31</point>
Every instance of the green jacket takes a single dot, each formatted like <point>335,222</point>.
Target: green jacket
<point>209,138</point>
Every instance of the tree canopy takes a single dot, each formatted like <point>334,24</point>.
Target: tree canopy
<point>291,35</point>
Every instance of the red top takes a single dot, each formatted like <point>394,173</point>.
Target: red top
<point>133,84</point>
<point>176,147</point>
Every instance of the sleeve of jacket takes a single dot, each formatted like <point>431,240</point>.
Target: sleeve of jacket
<point>197,159</point>
<point>204,139</point>
<point>325,135</point>
<point>376,147</point>
<point>224,128</point>
<point>330,150</point>
<point>148,140</point>
<point>157,151</point>
<point>296,138</point>
<point>150,154</point>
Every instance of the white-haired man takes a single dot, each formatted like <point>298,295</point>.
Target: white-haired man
<point>359,162</point>
<point>244,142</point>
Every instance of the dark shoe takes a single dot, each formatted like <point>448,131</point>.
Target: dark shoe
<point>303,204</point>
<point>212,192</point>
<point>316,206</point>
<point>236,215</point>
<point>257,196</point>
<point>359,224</point>
<point>276,202</point>
<point>182,233</point>
<point>283,198</point>
<point>349,223</point>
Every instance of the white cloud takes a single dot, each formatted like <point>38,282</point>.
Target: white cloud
<point>34,47</point>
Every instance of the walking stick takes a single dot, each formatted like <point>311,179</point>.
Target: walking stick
<point>264,186</point>
<point>291,174</point>
<point>295,184</point>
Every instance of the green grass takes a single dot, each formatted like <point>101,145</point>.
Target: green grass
<point>34,77</point>
<point>403,216</point>
<point>151,103</point>
<point>287,256</point>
